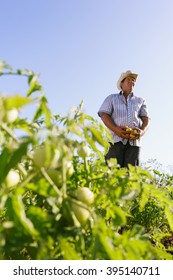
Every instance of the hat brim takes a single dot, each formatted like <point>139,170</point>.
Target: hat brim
<point>125,75</point>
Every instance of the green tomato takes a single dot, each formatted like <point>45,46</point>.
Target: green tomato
<point>81,213</point>
<point>55,175</point>
<point>85,195</point>
<point>12,178</point>
<point>70,169</point>
<point>84,151</point>
<point>41,158</point>
<point>11,115</point>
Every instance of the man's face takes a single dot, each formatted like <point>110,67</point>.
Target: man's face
<point>128,84</point>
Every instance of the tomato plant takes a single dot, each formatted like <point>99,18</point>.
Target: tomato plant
<point>58,198</point>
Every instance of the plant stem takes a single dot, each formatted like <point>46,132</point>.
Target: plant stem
<point>86,170</point>
<point>9,132</point>
<point>64,171</point>
<point>46,176</point>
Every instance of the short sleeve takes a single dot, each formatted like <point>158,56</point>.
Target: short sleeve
<point>107,106</point>
<point>144,110</point>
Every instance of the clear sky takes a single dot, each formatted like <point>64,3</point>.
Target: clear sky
<point>80,48</point>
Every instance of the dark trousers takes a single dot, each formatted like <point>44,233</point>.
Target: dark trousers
<point>125,154</point>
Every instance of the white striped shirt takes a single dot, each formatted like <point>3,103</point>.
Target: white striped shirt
<point>124,112</point>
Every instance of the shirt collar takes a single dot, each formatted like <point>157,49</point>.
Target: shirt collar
<point>130,95</point>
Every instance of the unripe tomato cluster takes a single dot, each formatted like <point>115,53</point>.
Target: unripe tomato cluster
<point>48,156</point>
<point>56,174</point>
<point>42,158</point>
<point>82,214</point>
<point>52,160</point>
<point>76,210</point>
<point>85,195</point>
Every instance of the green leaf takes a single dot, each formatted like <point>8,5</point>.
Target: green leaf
<point>40,218</point>
<point>34,84</point>
<point>9,160</point>
<point>16,101</point>
<point>104,243</point>
<point>17,155</point>
<point>30,128</point>
<point>169,216</point>
<point>96,135</point>
<point>19,210</point>
<point>4,158</point>
<point>144,197</point>
<point>120,216</point>
<point>43,109</point>
<point>68,252</point>
<point>41,187</point>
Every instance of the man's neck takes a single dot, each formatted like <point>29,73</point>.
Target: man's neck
<point>126,94</point>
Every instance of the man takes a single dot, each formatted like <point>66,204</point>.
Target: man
<point>127,118</point>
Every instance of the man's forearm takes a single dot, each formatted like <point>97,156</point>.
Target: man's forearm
<point>145,123</point>
<point>108,122</point>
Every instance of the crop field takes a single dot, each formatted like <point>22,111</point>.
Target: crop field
<point>58,198</point>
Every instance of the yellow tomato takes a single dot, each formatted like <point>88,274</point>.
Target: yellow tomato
<point>132,136</point>
<point>128,129</point>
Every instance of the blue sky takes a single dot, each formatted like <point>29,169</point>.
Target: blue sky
<point>80,48</point>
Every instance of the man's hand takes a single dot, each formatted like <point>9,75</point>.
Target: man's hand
<point>141,132</point>
<point>135,134</point>
<point>121,132</point>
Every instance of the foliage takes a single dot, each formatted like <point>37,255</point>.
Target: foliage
<point>40,215</point>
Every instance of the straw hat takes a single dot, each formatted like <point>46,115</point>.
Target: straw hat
<point>125,75</point>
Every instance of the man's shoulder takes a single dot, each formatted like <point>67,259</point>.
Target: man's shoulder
<point>138,98</point>
<point>113,95</point>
